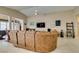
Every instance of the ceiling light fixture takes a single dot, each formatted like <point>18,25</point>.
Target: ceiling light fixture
<point>36,15</point>
<point>36,12</point>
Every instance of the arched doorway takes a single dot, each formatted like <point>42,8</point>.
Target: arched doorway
<point>4,25</point>
<point>9,23</point>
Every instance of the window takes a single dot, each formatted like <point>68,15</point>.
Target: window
<point>4,25</point>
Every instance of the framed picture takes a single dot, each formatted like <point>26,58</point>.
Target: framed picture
<point>58,23</point>
<point>32,23</point>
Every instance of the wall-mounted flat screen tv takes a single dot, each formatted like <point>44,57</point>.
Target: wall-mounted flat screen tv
<point>41,25</point>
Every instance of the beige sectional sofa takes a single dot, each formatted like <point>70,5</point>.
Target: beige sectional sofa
<point>21,39</point>
<point>29,37</point>
<point>13,37</point>
<point>35,40</point>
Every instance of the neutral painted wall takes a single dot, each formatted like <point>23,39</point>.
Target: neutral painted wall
<point>50,19</point>
<point>12,13</point>
<point>3,17</point>
<point>8,14</point>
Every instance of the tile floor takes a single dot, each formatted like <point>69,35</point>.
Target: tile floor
<point>65,45</point>
<point>6,47</point>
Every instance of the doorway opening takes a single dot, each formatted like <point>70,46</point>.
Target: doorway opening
<point>4,26</point>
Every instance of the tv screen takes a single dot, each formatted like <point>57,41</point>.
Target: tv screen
<point>40,25</point>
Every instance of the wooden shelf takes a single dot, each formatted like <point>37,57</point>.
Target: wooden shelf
<point>70,29</point>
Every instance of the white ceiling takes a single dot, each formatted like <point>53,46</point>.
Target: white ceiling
<point>29,10</point>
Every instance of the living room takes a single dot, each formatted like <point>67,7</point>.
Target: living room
<point>42,19</point>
